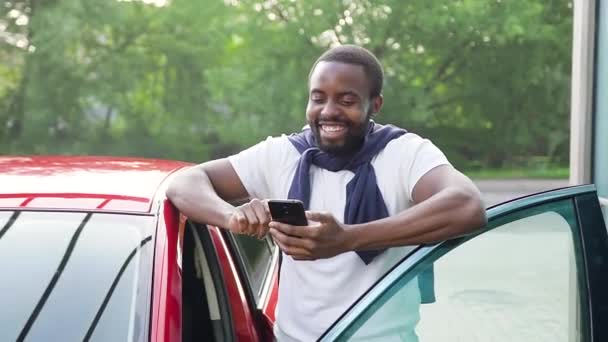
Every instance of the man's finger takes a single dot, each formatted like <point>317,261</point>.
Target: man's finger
<point>240,217</point>
<point>298,231</point>
<point>252,219</point>
<point>287,240</point>
<point>323,217</point>
<point>266,207</point>
<point>261,212</point>
<point>241,221</point>
<point>262,231</point>
<point>294,251</point>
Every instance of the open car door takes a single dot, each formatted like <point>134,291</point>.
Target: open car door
<point>537,272</point>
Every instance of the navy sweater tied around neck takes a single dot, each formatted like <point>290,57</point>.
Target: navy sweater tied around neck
<point>364,201</point>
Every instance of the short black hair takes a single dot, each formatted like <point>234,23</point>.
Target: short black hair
<point>356,55</point>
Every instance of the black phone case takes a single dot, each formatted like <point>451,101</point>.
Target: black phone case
<point>288,211</point>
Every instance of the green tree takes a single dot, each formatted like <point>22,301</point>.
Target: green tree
<point>191,79</point>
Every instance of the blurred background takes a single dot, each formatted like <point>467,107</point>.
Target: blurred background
<point>487,81</point>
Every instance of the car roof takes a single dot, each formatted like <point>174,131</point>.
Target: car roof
<point>121,184</point>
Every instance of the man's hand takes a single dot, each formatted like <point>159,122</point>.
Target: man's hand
<point>324,239</point>
<point>251,218</point>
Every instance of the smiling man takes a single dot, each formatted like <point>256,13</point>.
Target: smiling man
<point>372,192</point>
<point>340,131</point>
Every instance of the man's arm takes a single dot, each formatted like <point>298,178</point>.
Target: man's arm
<point>447,205</point>
<point>203,193</point>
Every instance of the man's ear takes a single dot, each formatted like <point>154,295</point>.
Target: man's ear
<point>376,104</point>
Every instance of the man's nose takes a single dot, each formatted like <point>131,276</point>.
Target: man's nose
<point>329,109</point>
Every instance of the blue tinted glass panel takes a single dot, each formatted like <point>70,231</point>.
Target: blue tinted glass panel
<point>601,113</point>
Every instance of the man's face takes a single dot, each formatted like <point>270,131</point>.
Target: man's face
<point>339,106</point>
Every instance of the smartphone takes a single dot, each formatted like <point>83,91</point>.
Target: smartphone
<point>288,211</point>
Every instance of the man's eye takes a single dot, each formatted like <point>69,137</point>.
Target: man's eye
<point>316,99</point>
<point>348,102</point>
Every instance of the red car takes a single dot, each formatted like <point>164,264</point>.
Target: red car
<point>91,249</point>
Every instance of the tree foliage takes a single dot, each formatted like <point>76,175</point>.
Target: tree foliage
<point>488,81</point>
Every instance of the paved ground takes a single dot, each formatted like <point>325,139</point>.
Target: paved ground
<point>497,191</point>
<point>507,295</point>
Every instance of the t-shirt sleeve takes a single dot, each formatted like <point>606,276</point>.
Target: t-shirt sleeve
<point>427,156</point>
<point>252,166</point>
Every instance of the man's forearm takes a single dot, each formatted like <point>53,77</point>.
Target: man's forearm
<point>193,194</point>
<point>450,213</point>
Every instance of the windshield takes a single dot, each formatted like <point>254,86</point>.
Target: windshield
<point>74,276</point>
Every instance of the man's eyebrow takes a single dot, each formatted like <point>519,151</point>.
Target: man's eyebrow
<point>349,92</point>
<point>340,94</point>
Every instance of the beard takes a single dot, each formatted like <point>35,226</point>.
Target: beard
<point>353,140</point>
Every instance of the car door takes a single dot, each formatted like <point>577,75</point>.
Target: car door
<point>257,264</point>
<point>537,272</point>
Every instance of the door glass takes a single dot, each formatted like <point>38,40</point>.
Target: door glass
<point>600,159</point>
<point>256,257</point>
<point>69,276</point>
<point>604,206</point>
<point>516,282</point>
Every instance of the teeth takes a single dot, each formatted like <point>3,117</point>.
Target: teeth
<point>332,128</point>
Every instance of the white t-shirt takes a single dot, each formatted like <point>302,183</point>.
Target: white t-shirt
<point>313,294</point>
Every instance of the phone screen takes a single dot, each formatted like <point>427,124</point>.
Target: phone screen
<point>288,211</point>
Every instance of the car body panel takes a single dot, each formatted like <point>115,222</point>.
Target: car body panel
<point>245,323</point>
<point>267,311</point>
<point>166,298</point>
<point>96,183</point>
<point>270,303</point>
<point>76,201</point>
<point>133,186</point>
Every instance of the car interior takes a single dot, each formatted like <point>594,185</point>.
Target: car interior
<point>205,308</point>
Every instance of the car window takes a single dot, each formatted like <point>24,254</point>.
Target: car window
<point>74,276</point>
<point>520,281</point>
<point>206,312</point>
<point>600,157</point>
<point>256,258</point>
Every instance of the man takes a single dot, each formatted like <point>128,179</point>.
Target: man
<point>372,193</point>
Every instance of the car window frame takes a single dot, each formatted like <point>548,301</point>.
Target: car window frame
<point>594,243</point>
<point>218,279</point>
<point>256,301</point>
